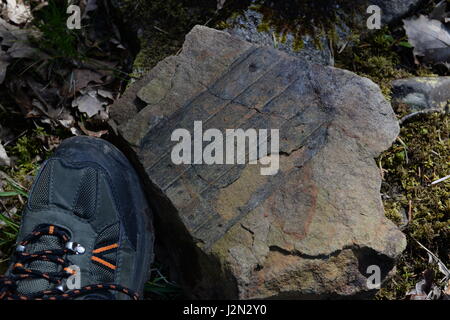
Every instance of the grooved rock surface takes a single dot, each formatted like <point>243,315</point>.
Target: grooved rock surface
<point>311,230</point>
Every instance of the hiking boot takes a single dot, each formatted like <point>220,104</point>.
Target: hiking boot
<point>86,231</point>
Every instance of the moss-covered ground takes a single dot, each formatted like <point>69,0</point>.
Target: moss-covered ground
<point>420,156</point>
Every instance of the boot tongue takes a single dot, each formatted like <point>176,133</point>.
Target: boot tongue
<point>30,286</point>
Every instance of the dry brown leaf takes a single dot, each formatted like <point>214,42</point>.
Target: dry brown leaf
<point>220,4</point>
<point>447,289</point>
<point>4,159</point>
<point>82,78</point>
<point>22,49</point>
<point>18,11</point>
<point>105,94</point>
<point>429,37</point>
<point>440,11</point>
<point>89,103</point>
<point>90,133</point>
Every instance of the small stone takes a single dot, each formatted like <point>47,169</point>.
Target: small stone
<point>392,11</point>
<point>423,93</point>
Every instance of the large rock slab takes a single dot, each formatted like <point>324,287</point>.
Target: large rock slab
<point>309,231</point>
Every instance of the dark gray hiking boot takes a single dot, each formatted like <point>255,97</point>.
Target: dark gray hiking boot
<point>86,232</point>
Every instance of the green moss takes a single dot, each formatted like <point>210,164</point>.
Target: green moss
<point>381,58</point>
<point>9,229</point>
<point>152,52</point>
<point>407,183</point>
<point>314,18</point>
<point>164,25</point>
<point>28,151</point>
<point>377,57</point>
<point>393,212</point>
<point>419,157</point>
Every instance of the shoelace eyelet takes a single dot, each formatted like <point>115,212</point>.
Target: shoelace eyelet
<point>60,288</point>
<point>75,247</point>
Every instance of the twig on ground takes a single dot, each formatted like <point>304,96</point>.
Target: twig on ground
<point>15,184</point>
<point>433,257</point>
<point>381,169</point>
<point>15,138</point>
<point>440,180</point>
<point>418,113</point>
<point>410,211</point>
<point>405,147</point>
<point>160,30</point>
